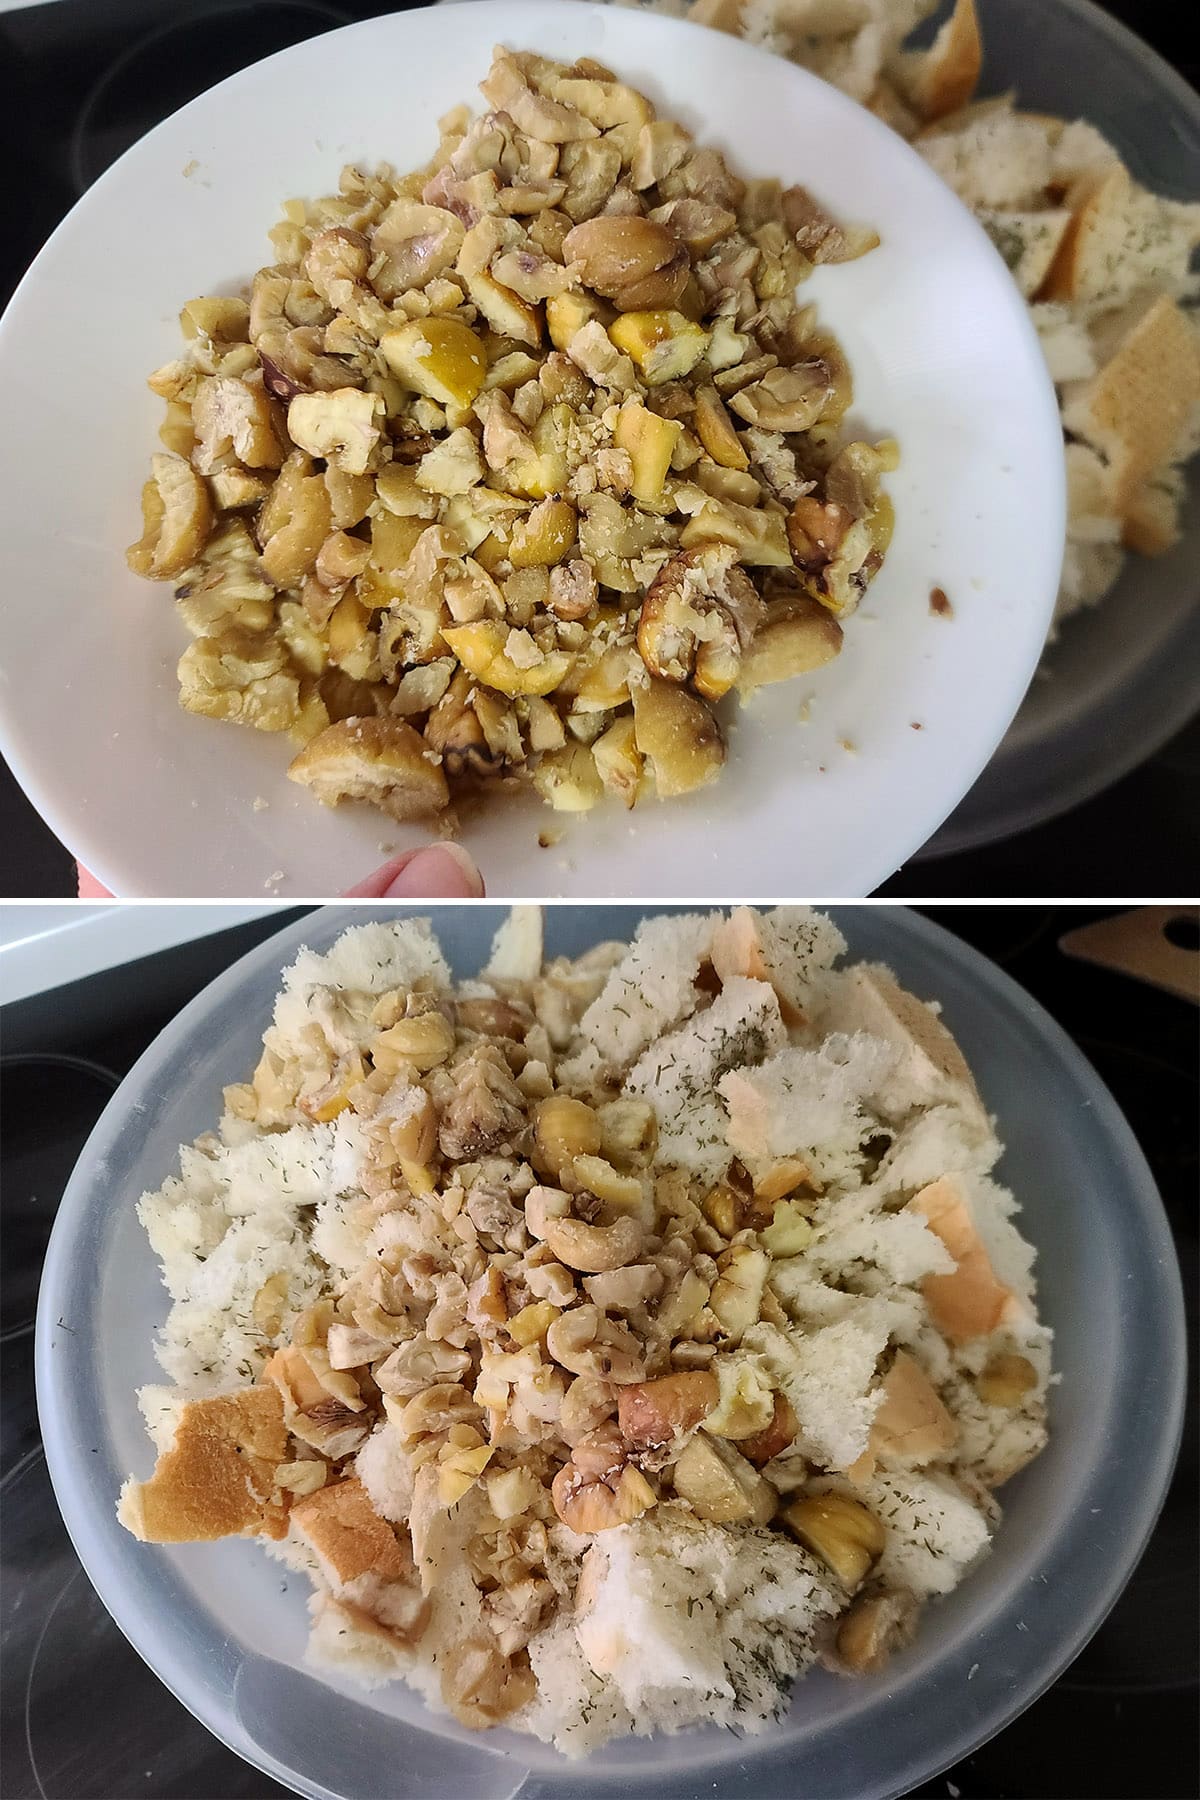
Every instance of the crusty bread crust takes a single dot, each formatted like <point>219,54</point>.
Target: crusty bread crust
<point>347,1535</point>
<point>1136,407</point>
<point>1151,523</point>
<point>218,1477</point>
<point>1098,206</point>
<point>1028,241</point>
<point>970,1302</point>
<point>942,79</point>
<point>720,15</point>
<point>889,104</point>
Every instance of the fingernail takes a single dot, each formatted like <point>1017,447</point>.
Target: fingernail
<point>440,872</point>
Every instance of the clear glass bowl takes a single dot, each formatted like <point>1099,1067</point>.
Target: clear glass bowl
<point>224,1626</point>
<point>1123,676</point>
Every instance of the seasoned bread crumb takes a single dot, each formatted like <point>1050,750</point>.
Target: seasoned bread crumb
<point>934,1531</point>
<point>807,1104</point>
<point>678,1073</point>
<point>651,989</point>
<point>650,1624</point>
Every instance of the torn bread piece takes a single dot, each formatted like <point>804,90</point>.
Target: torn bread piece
<point>1151,521</point>
<point>516,953</point>
<point>366,1565</point>
<point>862,1227</point>
<point>367,959</point>
<point>827,1374</point>
<point>1028,241</point>
<point>1089,571</point>
<point>1122,239</point>
<point>221,1247</point>
<point>649,1622</point>
<point>652,988</point>
<point>1000,158</point>
<point>808,1104</point>
<point>217,1478</point>
<point>791,947</point>
<point>973,1301</point>
<point>941,79</point>
<point>1091,514</point>
<point>679,1073</point>
<point>1094,529</point>
<point>929,1069</point>
<point>1066,343</point>
<point>348,1537</point>
<point>347,1639</point>
<point>386,1470</point>
<point>934,1530</point>
<point>1139,406</point>
<point>1080,151</point>
<point>1000,1434</point>
<point>928,1145</point>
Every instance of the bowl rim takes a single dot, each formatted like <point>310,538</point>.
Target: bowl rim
<point>1160,1356</point>
<point>1126,41</point>
<point>66,810</point>
<point>1000,813</point>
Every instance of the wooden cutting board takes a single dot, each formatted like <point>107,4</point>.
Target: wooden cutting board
<point>1149,943</point>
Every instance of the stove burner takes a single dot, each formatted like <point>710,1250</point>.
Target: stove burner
<point>67,1093</point>
<point>165,69</point>
<point>67,1666</point>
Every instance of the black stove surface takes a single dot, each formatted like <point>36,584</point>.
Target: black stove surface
<point>82,1718</point>
<point>81,80</point>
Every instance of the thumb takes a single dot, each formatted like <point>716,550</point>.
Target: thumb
<point>89,887</point>
<point>437,872</point>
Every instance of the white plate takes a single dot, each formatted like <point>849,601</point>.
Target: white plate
<point>158,802</point>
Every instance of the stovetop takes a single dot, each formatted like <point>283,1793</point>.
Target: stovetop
<point>81,80</point>
<point>82,1718</point>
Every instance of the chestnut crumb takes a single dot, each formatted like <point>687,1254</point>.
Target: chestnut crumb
<point>939,603</point>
